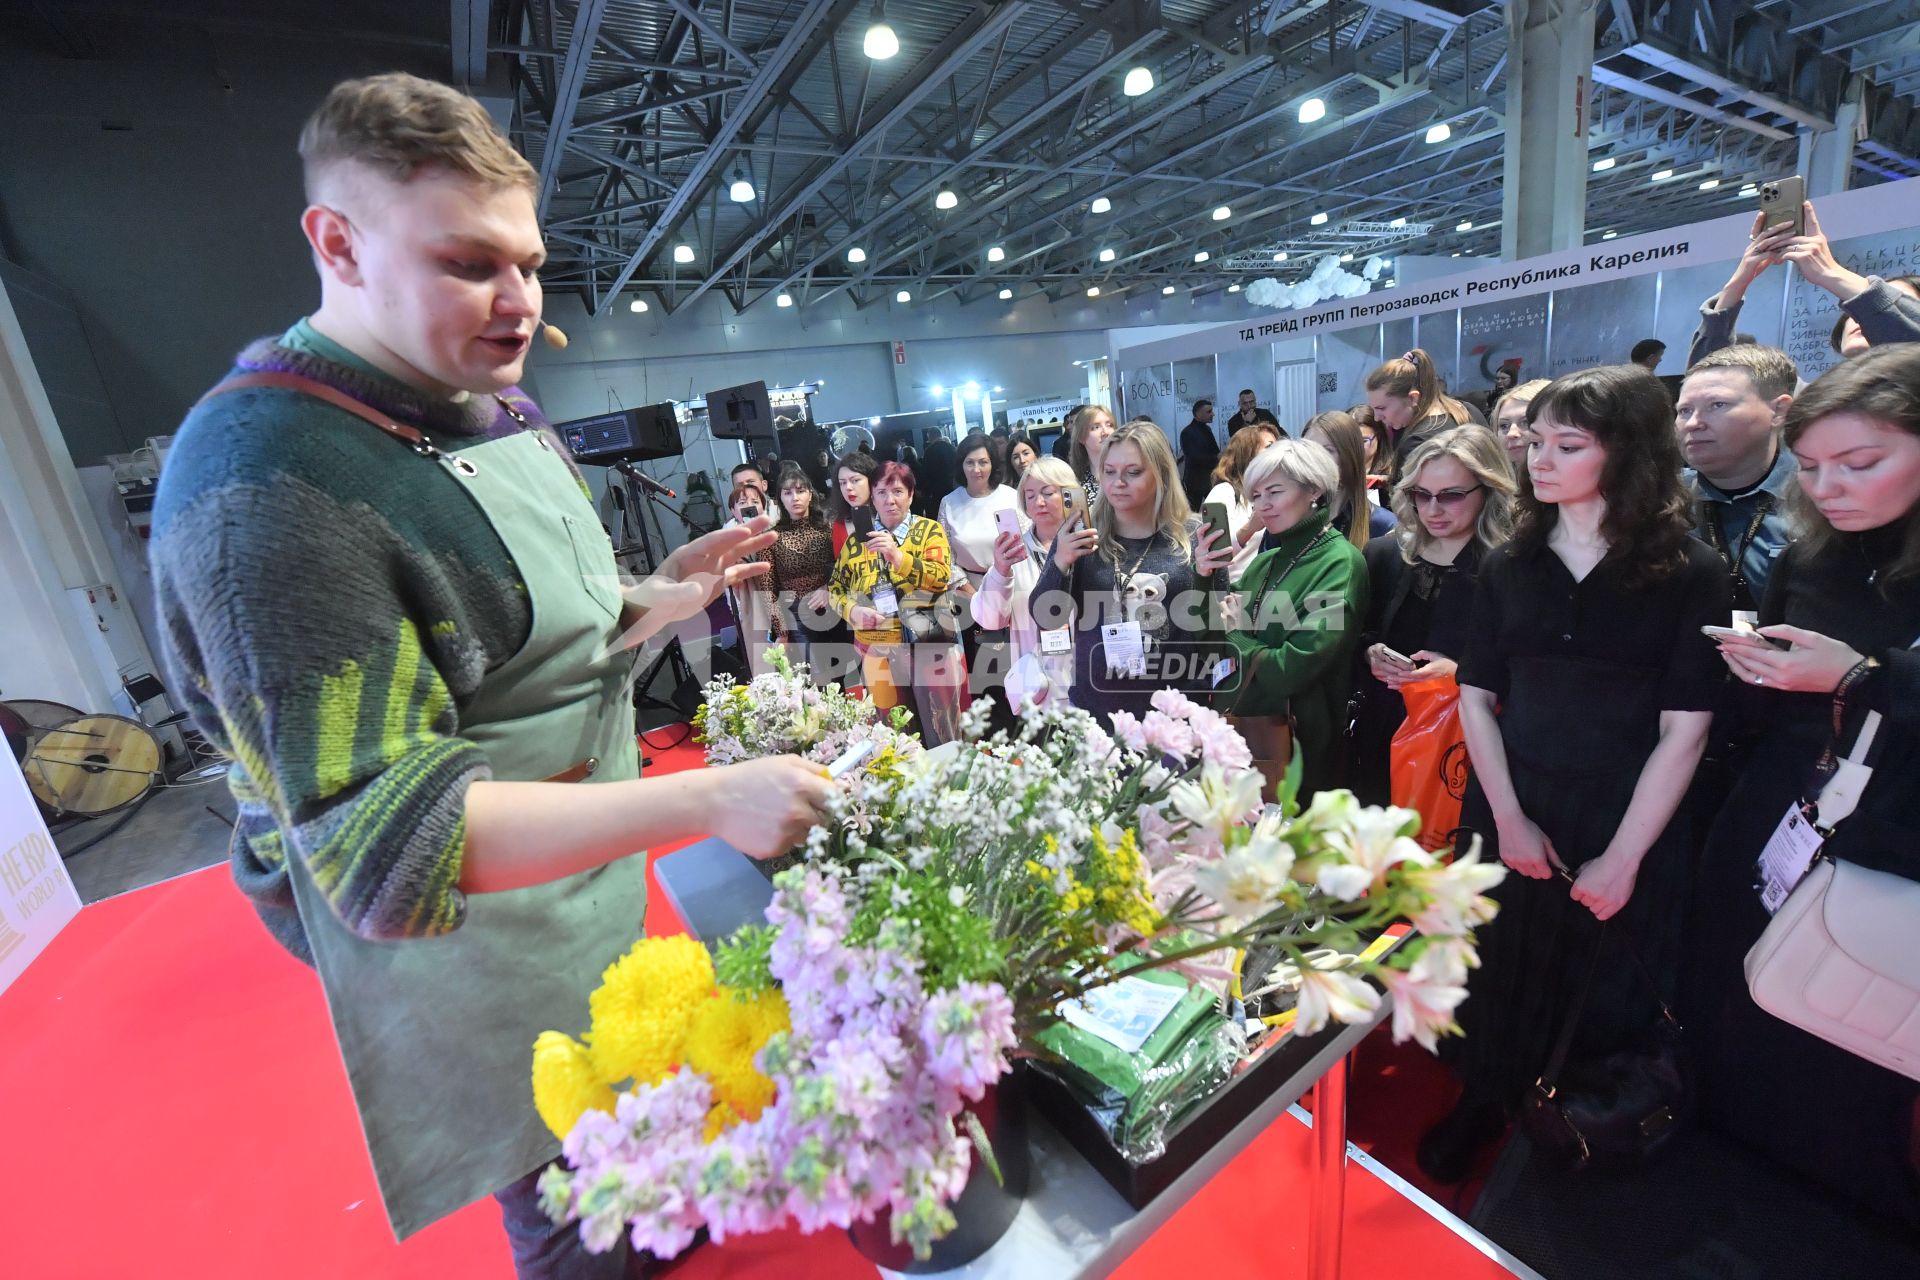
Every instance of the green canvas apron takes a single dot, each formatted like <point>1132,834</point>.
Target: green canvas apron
<point>437,1033</point>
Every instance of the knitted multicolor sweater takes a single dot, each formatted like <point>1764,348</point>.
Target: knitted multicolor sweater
<point>326,614</point>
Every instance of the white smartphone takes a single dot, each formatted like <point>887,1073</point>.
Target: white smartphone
<point>1008,521</point>
<point>1741,634</point>
<point>1395,656</point>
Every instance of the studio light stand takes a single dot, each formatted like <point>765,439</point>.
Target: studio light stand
<point>638,542</point>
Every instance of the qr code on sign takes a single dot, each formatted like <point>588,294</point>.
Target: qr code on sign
<point>1329,383</point>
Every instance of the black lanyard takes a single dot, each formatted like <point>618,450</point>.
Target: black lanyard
<point>1267,589</point>
<point>1736,556</point>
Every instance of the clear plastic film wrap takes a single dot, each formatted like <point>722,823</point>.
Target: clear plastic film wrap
<point>1138,1096</point>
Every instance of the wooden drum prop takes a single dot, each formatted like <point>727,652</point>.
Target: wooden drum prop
<point>92,765</point>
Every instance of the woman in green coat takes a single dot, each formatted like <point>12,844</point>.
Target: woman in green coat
<point>1294,618</point>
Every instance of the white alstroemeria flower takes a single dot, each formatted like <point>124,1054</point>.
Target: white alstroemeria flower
<point>1422,1007</point>
<point>1213,803</point>
<point>1331,813</point>
<point>1453,902</point>
<point>1331,993</point>
<point>1370,845</point>
<point>1246,882</point>
<point>1446,961</point>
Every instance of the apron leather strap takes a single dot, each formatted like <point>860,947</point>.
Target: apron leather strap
<point>412,437</point>
<point>577,773</point>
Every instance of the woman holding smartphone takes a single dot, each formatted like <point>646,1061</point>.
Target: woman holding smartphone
<point>1586,692</point>
<point>1455,505</point>
<point>802,560</point>
<point>1242,447</point>
<point>1845,604</point>
<point>853,478</point>
<point>898,561</point>
<point>1294,619</point>
<point>971,515</point>
<point>753,603</point>
<point>1042,663</point>
<point>1131,579</point>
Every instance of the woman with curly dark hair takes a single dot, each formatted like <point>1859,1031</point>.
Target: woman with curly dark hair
<point>1586,693</point>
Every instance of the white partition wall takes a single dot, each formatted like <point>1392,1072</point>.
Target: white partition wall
<point>1571,309</point>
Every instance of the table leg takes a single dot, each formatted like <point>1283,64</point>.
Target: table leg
<point>1328,1201</point>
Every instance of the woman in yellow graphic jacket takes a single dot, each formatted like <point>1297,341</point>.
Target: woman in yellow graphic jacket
<point>902,563</point>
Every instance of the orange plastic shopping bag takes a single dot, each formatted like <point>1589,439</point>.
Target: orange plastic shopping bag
<point>1428,759</point>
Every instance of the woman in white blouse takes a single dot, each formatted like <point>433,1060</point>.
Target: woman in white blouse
<point>971,515</point>
<point>1050,495</point>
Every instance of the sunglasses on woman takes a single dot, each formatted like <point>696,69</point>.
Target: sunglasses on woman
<point>1445,498</point>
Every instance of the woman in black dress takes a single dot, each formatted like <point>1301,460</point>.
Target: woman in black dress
<point>1847,599</point>
<point>1455,505</point>
<point>1586,693</point>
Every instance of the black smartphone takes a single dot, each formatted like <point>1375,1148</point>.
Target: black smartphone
<point>1218,521</point>
<point>862,522</point>
<point>749,511</point>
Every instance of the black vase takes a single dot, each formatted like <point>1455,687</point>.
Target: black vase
<point>986,1208</point>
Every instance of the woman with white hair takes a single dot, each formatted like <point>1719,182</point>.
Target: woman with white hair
<point>1042,665</point>
<point>1294,619</point>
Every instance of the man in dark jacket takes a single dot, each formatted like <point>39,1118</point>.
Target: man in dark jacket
<point>1199,453</point>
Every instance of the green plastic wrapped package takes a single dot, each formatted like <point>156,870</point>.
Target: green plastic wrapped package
<point>1138,1094</point>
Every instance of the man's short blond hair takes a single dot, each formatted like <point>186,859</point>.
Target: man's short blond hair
<point>397,124</point>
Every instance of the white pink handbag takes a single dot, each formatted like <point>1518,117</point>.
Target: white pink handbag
<point>1841,960</point>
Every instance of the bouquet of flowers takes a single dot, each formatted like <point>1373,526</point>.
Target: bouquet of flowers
<point>955,902</point>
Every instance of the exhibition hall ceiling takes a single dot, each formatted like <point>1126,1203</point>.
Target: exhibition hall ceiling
<point>787,152</point>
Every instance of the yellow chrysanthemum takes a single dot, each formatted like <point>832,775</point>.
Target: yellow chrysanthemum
<point>565,1086</point>
<point>643,1005</point>
<point>726,1033</point>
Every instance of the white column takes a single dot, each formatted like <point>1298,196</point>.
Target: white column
<point>1826,157</point>
<point>1549,89</point>
<point>50,548</point>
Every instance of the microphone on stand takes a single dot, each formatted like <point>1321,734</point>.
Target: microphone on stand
<point>646,481</point>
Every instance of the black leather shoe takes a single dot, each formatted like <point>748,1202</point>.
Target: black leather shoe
<point>1448,1150</point>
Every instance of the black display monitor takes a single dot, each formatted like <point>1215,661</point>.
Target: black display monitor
<point>630,435</point>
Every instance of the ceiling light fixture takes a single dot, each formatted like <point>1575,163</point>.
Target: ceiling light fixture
<point>1233,288</point>
<point>1166,291</point>
<point>740,191</point>
<point>1609,235</point>
<point>996,254</point>
<point>903,296</point>
<point>946,200</point>
<point>1312,109</point>
<point>784,300</point>
<point>1139,80</point>
<point>1318,220</point>
<point>1280,256</point>
<point>1006,295</point>
<point>1604,164</point>
<point>638,306</point>
<point>880,42</point>
<point>683,253</point>
<point>1749,190</point>
<point>1661,175</point>
<point>1398,222</point>
<point>937,389</point>
<point>1465,226</point>
<point>1710,184</point>
<point>856,254</point>
<point>1201,256</point>
<point>1100,205</point>
<point>1346,257</point>
<point>1106,255</point>
<point>1222,213</point>
<point>1093,291</point>
<point>1439,133</point>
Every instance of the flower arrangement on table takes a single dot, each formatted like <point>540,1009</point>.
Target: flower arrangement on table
<point>819,1070</point>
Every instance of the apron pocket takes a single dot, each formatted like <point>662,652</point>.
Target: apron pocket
<point>598,572</point>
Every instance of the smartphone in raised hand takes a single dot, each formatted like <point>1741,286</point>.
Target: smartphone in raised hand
<point>862,522</point>
<point>1009,522</point>
<point>1784,202</point>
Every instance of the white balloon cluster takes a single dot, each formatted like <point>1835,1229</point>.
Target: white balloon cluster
<point>1329,280</point>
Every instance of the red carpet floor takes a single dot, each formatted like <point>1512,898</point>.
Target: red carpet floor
<point>175,1107</point>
